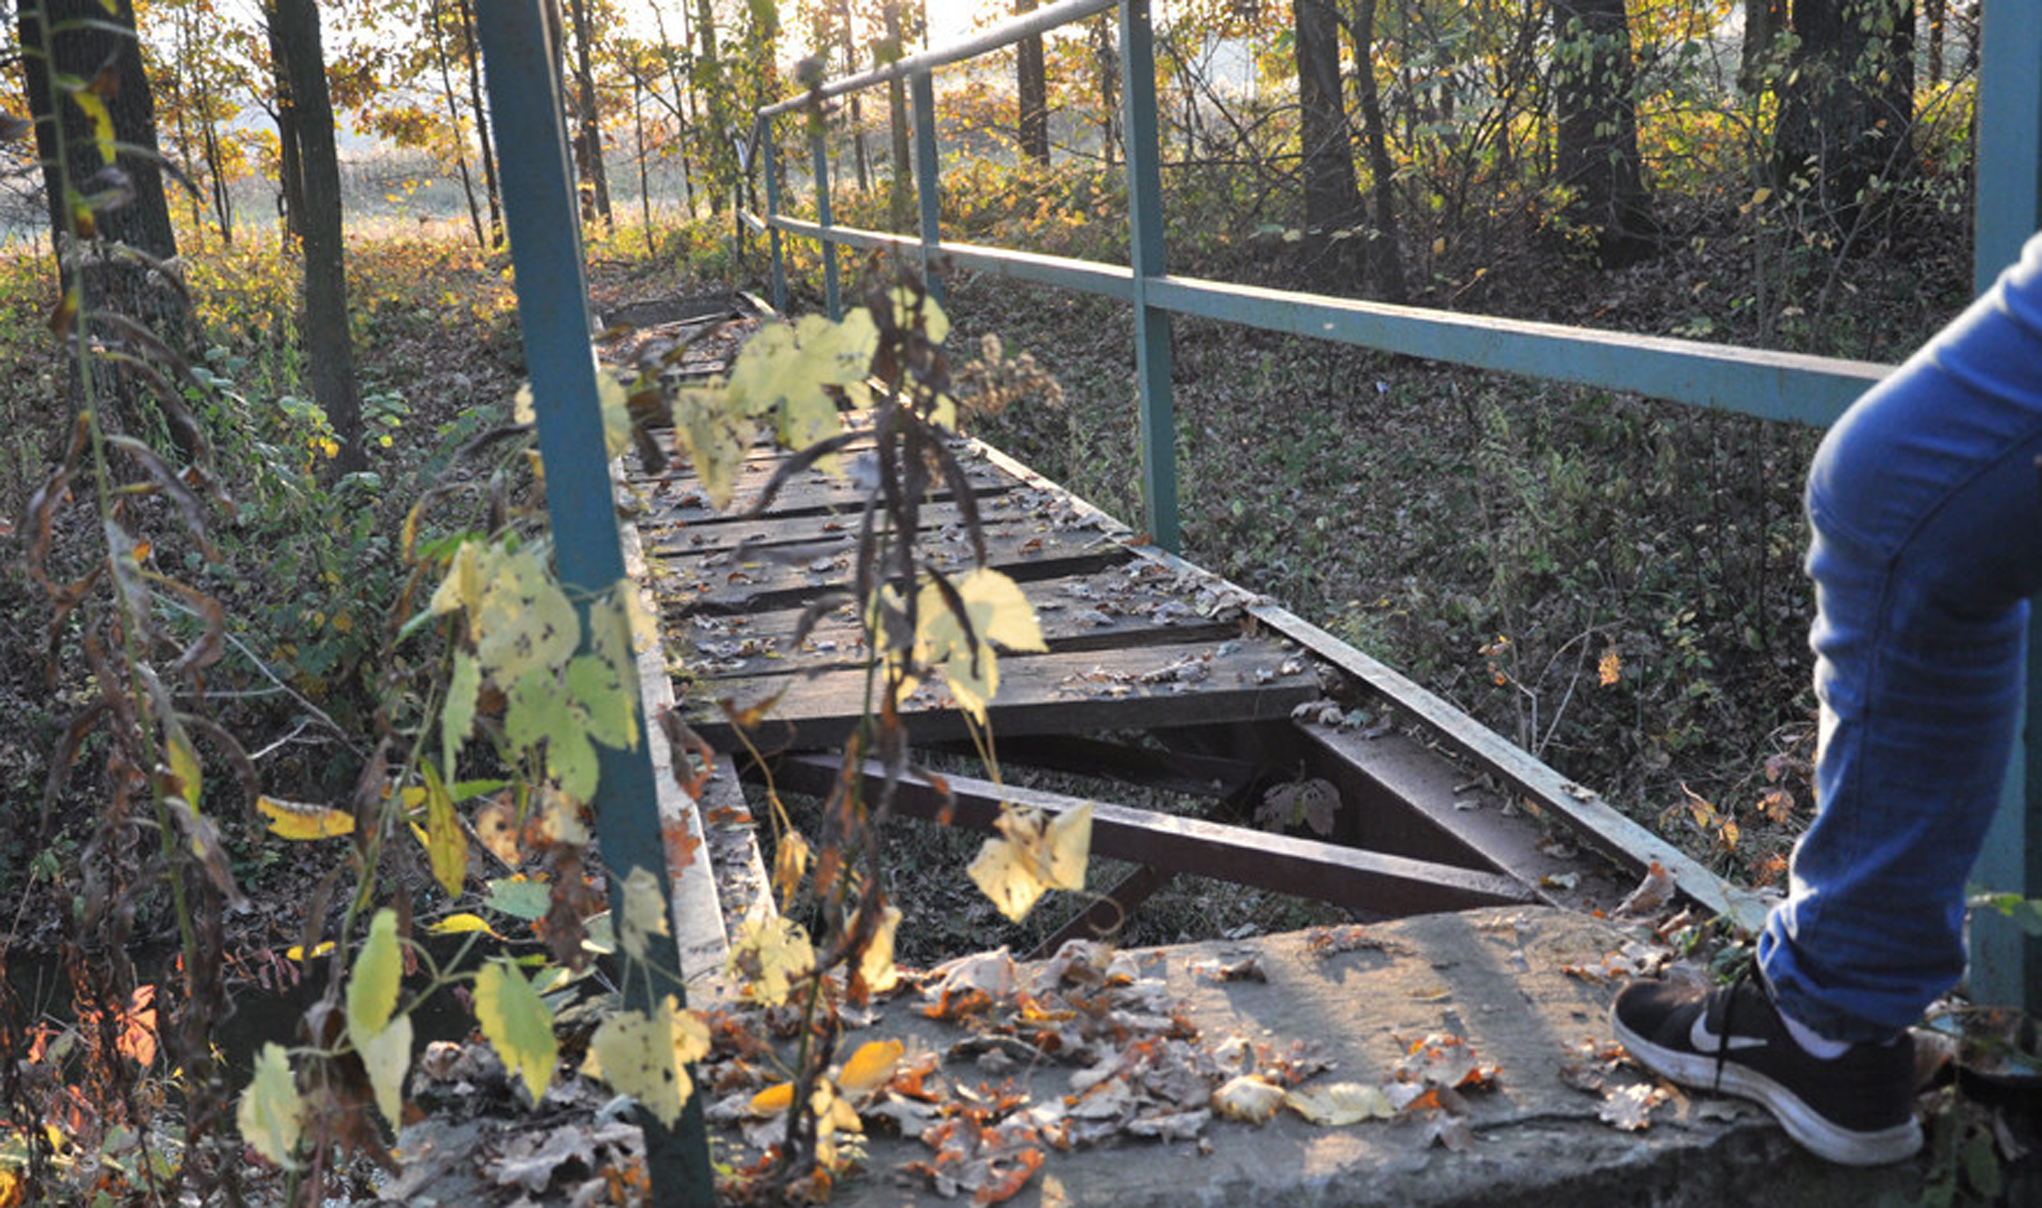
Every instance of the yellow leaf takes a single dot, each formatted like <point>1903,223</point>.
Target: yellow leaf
<point>871,1067</point>
<point>708,422</point>
<point>372,987</point>
<point>769,955</point>
<point>496,825</point>
<point>875,965</point>
<point>1610,668</point>
<point>298,821</point>
<point>446,844</point>
<point>460,924</point>
<point>102,123</point>
<point>790,861</point>
<point>773,1100</point>
<point>1249,1098</point>
<point>1340,1103</point>
<point>270,1112</point>
<point>1034,853</point>
<point>998,612</point>
<point>611,397</point>
<point>461,590</point>
<point>644,911</point>
<point>296,952</point>
<point>518,1023</point>
<point>184,763</point>
<point>646,1057</point>
<point>386,1056</point>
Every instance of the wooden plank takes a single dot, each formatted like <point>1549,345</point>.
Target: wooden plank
<point>1003,511</point>
<point>1178,772</point>
<point>1086,612</point>
<point>681,499</point>
<point>1344,876</point>
<point>775,578</point>
<point>1087,691</point>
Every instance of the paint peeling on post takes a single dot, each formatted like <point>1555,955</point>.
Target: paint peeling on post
<point>545,241</point>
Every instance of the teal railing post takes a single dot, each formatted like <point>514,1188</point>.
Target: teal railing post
<point>921,86</point>
<point>769,160</point>
<point>543,223</point>
<point>1146,258</point>
<point>819,159</point>
<point>2006,965</point>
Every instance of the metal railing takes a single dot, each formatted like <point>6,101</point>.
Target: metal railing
<point>1773,385</point>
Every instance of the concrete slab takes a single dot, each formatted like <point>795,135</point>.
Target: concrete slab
<point>1495,977</point>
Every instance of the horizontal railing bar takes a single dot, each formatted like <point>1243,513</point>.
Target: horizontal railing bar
<point>1040,21</point>
<point>752,220</point>
<point>1772,385</point>
<point>1109,280</point>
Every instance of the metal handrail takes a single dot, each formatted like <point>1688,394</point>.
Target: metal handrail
<point>1773,385</point>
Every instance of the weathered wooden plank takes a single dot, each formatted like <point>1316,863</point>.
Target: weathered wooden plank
<point>1239,679</point>
<point>998,512</point>
<point>683,501</point>
<point>1159,769</point>
<point>1088,612</point>
<point>1344,876</point>
<point>777,577</point>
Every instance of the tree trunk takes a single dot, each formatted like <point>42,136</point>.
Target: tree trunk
<point>290,160</point>
<point>1333,214</point>
<point>329,353</point>
<point>141,221</point>
<point>1763,21</point>
<point>899,207</point>
<point>1031,87</point>
<point>1385,261</point>
<point>1847,102</point>
<point>722,161</point>
<point>481,123</point>
<point>437,16</point>
<point>1596,151</point>
<point>1106,63</point>
<point>588,144</point>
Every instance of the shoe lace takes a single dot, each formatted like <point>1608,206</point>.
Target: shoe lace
<point>1727,1024</point>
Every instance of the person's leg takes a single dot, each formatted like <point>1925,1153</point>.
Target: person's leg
<point>1926,506</point>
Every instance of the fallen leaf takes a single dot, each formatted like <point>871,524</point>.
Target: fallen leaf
<point>1337,1104</point>
<point>1249,1098</point>
<point>1651,895</point>
<point>1629,1108</point>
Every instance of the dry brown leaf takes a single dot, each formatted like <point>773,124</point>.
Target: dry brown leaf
<point>1337,1104</point>
<point>1651,895</point>
<point>1248,1098</point>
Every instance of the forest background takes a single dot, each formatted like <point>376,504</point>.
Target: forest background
<point>1611,582</point>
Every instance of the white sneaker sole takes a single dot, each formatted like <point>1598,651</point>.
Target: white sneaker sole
<point>1819,1135</point>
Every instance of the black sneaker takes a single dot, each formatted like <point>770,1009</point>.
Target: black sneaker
<point>1856,1108</point>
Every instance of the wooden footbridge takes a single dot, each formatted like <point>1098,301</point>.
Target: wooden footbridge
<point>1158,676</point>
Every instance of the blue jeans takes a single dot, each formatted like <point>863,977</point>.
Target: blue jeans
<point>1926,506</point>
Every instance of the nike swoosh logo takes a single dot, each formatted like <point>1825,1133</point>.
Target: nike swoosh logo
<point>1705,1041</point>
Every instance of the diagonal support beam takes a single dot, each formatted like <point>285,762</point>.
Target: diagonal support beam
<point>1344,876</point>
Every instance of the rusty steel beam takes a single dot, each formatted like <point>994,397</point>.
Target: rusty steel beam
<point>1343,876</point>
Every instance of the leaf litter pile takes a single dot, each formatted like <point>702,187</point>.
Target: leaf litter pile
<point>1134,1068</point>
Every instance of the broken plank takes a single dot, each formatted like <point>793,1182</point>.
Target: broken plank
<point>1344,876</point>
<point>1087,691</point>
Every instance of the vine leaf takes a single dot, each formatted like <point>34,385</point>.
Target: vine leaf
<point>715,440</point>
<point>457,716</point>
<point>646,1056</point>
<point>518,1023</point>
<point>644,911</point>
<point>299,821</point>
<point>770,953</point>
<point>1033,853</point>
<point>789,370</point>
<point>539,712</point>
<point>875,965</point>
<point>270,1110</point>
<point>372,988</point>
<point>386,1056</point>
<point>446,844</point>
<point>994,611</point>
